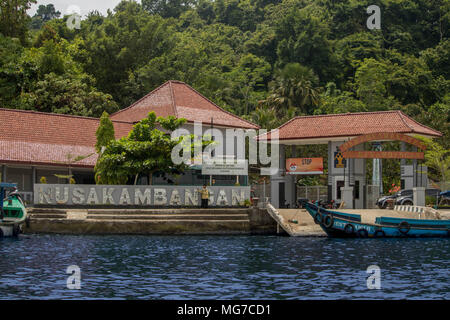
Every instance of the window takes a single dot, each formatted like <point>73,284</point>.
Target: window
<point>21,176</point>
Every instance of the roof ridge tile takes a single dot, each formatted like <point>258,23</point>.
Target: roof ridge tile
<point>215,105</point>
<point>143,98</point>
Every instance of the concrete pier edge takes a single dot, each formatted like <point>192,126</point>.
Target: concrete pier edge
<point>189,221</point>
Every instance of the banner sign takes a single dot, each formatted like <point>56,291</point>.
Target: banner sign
<point>225,168</point>
<point>158,196</point>
<point>304,166</point>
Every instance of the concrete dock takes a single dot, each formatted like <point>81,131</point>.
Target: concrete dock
<point>150,221</point>
<point>307,228</point>
<point>190,221</point>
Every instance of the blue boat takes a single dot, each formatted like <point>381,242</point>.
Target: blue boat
<point>346,225</point>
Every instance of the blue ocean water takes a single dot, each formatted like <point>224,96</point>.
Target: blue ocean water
<point>222,267</point>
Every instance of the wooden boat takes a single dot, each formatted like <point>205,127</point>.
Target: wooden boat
<point>12,211</point>
<point>346,225</point>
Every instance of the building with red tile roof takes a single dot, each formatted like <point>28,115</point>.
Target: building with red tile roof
<point>335,130</point>
<point>37,138</point>
<point>35,144</point>
<point>178,99</point>
<point>337,127</point>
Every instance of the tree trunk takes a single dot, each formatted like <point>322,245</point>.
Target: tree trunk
<point>136,179</point>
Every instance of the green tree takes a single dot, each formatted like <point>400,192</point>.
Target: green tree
<point>67,94</point>
<point>370,83</point>
<point>437,158</point>
<point>168,8</point>
<point>146,150</point>
<point>265,117</point>
<point>47,12</point>
<point>105,132</point>
<point>335,101</point>
<point>14,19</point>
<point>295,86</point>
<point>43,14</point>
<point>302,35</point>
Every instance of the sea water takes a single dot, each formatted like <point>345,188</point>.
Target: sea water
<point>222,267</point>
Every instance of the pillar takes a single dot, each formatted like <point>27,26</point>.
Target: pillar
<point>293,181</point>
<point>402,149</point>
<point>277,179</point>
<point>419,196</point>
<point>347,197</point>
<point>415,173</point>
<point>3,173</point>
<point>330,171</point>
<point>33,177</point>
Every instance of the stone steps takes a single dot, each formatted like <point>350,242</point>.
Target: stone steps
<point>149,221</point>
<point>190,214</point>
<point>47,215</point>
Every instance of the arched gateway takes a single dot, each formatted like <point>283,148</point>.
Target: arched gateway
<point>346,135</point>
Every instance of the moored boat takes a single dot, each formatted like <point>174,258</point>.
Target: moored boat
<point>346,225</point>
<point>12,211</point>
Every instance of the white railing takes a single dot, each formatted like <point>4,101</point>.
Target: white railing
<point>313,193</point>
<point>262,192</point>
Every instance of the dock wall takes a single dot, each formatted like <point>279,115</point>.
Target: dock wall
<point>149,221</point>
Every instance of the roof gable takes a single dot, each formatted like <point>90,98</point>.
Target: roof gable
<point>350,124</point>
<point>179,99</point>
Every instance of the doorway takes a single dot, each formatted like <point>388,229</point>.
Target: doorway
<point>281,195</point>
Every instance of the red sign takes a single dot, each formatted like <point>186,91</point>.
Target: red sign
<point>304,166</point>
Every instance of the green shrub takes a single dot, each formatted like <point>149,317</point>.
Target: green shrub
<point>430,201</point>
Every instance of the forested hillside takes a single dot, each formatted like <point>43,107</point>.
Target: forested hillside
<point>266,60</point>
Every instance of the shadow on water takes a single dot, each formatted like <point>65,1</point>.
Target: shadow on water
<point>222,267</point>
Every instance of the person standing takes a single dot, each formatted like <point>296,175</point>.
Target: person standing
<point>205,196</point>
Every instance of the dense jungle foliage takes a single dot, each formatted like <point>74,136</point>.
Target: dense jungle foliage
<point>265,60</point>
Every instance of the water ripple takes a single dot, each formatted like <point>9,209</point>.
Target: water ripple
<point>206,267</point>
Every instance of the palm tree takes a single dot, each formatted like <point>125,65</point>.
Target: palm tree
<point>265,116</point>
<point>295,86</point>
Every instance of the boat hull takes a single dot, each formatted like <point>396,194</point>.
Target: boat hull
<point>343,225</point>
<point>7,231</point>
<point>14,215</point>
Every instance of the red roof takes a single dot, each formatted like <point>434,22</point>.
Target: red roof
<point>178,99</point>
<point>50,139</point>
<point>350,124</point>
